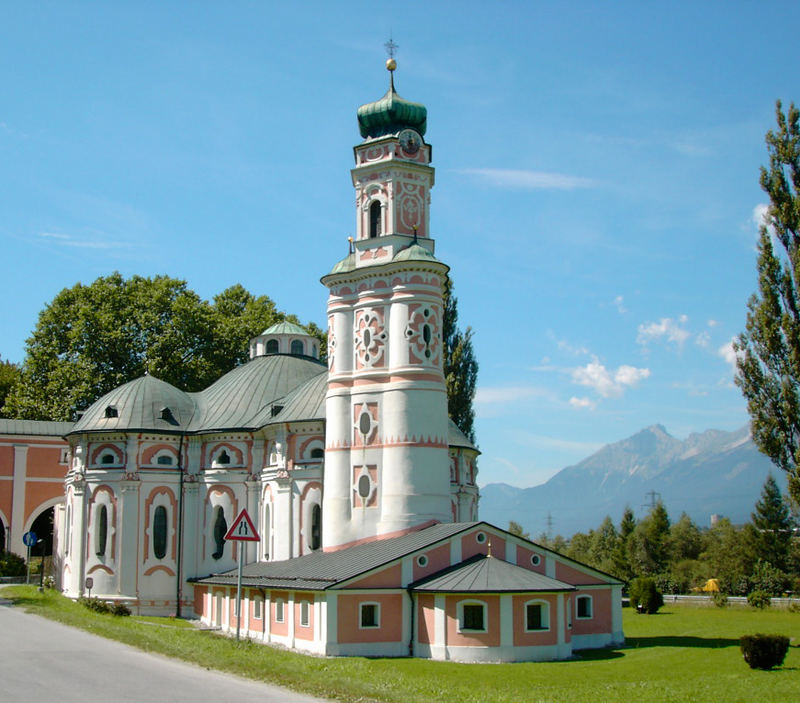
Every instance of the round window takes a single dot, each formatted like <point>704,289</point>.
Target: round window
<point>364,486</point>
<point>422,560</point>
<point>536,560</point>
<point>481,537</point>
<point>364,423</point>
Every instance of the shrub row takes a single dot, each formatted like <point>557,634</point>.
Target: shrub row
<point>101,606</point>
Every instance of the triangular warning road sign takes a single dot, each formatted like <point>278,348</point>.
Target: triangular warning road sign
<point>243,529</point>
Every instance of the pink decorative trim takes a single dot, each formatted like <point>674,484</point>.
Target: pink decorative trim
<point>100,567</point>
<point>159,567</point>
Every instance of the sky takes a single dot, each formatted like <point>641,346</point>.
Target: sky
<point>596,192</point>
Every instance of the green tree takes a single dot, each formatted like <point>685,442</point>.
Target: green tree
<point>516,529</point>
<point>10,375</point>
<point>773,524</point>
<point>621,559</point>
<point>460,365</point>
<point>649,543</point>
<point>768,360</point>
<point>685,540</point>
<point>93,338</point>
<point>604,546</point>
<point>728,558</point>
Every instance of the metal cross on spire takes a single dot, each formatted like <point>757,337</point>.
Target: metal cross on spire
<point>391,47</point>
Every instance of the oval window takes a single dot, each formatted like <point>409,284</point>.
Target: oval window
<point>160,532</point>
<point>426,333</point>
<point>364,423</point>
<point>364,486</point>
<point>536,560</point>
<point>422,560</point>
<point>367,337</point>
<point>481,537</point>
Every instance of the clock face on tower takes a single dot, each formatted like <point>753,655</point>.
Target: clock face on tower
<point>410,141</point>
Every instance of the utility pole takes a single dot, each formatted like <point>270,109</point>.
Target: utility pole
<point>652,495</point>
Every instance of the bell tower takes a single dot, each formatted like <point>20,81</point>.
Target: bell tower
<point>386,457</point>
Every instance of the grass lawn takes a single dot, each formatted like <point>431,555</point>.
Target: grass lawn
<point>685,653</point>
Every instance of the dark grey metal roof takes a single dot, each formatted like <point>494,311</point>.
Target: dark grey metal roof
<point>242,398</point>
<point>304,403</point>
<point>456,438</point>
<point>322,570</point>
<point>138,405</point>
<point>486,574</point>
<point>40,428</point>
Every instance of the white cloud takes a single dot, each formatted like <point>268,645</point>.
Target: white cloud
<point>729,354</point>
<point>703,339</point>
<point>604,382</point>
<point>582,403</point>
<point>68,240</point>
<point>666,328</point>
<point>528,180</point>
<point>619,302</point>
<point>760,216</point>
<point>712,323</point>
<point>566,346</point>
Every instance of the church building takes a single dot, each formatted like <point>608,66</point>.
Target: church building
<point>362,491</point>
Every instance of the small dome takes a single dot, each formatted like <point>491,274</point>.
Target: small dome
<point>414,252</point>
<point>285,328</point>
<point>143,404</point>
<point>345,265</point>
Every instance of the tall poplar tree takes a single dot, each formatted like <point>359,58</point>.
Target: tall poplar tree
<point>460,365</point>
<point>769,349</point>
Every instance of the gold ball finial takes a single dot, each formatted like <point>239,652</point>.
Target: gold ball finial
<point>391,64</point>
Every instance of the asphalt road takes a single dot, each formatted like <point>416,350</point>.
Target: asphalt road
<point>41,660</point>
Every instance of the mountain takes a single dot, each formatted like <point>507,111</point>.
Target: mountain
<point>709,472</point>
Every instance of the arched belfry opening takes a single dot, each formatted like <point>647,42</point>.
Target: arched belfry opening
<point>375,219</point>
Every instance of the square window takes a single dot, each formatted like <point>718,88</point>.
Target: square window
<point>370,615</point>
<point>472,617</point>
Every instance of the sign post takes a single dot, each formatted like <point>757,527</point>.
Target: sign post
<point>29,539</point>
<point>242,530</point>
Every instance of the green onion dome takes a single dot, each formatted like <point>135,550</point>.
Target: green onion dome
<point>391,114</point>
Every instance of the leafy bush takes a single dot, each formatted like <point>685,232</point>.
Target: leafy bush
<point>764,651</point>
<point>11,564</point>
<point>120,609</point>
<point>793,607</point>
<point>766,577</point>
<point>95,604</point>
<point>645,597</point>
<point>719,599</point>
<point>759,599</point>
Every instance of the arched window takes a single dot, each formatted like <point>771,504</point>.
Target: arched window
<point>272,346</point>
<point>107,458</point>
<point>317,453</point>
<point>111,411</point>
<point>316,527</point>
<point>164,460</point>
<point>375,219</point>
<point>101,536</point>
<point>220,530</point>
<point>297,347</point>
<point>224,458</point>
<point>160,532</point>
<point>537,616</point>
<point>265,531</point>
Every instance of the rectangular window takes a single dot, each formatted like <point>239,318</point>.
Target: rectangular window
<point>533,617</point>
<point>279,610</point>
<point>304,613</point>
<point>370,615</point>
<point>235,607</point>
<point>584,606</point>
<point>257,603</point>
<point>473,618</point>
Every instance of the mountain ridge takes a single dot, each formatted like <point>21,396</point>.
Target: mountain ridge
<point>710,472</point>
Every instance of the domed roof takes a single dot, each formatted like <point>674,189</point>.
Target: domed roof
<point>285,328</point>
<point>145,403</point>
<point>391,114</point>
<point>345,265</point>
<point>306,402</point>
<point>243,397</point>
<point>415,252</point>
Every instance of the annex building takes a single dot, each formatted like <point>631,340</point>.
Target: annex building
<point>363,492</point>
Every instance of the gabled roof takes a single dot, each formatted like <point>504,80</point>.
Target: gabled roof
<point>323,570</point>
<point>456,438</point>
<point>485,574</point>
